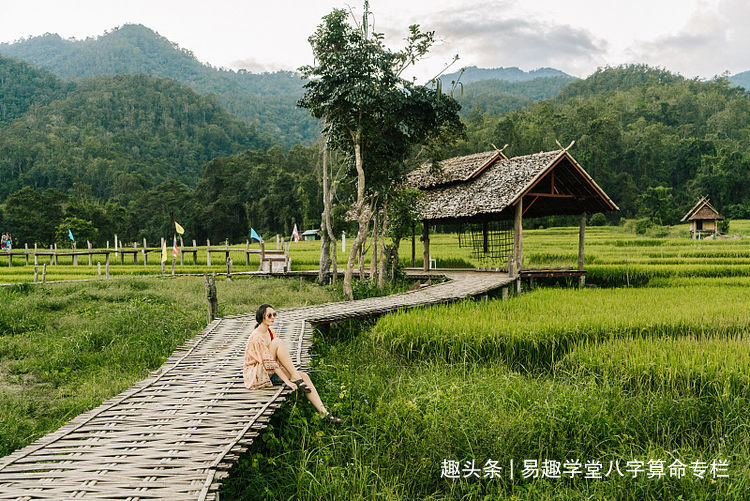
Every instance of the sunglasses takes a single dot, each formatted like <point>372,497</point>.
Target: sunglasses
<point>272,315</point>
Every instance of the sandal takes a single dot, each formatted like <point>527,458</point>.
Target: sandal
<point>330,418</point>
<point>301,386</point>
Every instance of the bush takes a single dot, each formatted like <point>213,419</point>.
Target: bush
<point>598,219</point>
<point>641,225</point>
<point>723,225</point>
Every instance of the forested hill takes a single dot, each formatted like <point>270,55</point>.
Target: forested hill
<point>22,85</point>
<point>650,138</point>
<point>512,74</point>
<point>741,79</point>
<point>498,97</point>
<point>119,135</point>
<point>266,100</point>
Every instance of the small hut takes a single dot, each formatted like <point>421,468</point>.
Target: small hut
<point>703,219</point>
<point>488,188</point>
<point>310,235</point>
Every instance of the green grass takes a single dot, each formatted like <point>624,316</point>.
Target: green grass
<point>65,348</point>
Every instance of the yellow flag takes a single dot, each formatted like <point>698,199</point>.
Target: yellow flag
<point>164,251</point>
<point>180,229</point>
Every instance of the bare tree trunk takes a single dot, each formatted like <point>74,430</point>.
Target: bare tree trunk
<point>325,254</point>
<point>383,228</point>
<point>362,215</point>
<point>374,240</point>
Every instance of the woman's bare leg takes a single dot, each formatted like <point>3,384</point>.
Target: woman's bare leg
<point>280,352</point>
<point>313,396</point>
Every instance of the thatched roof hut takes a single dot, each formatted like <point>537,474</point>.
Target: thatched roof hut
<point>489,186</point>
<point>702,217</point>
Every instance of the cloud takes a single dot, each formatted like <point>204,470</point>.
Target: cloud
<point>487,38</point>
<point>253,65</point>
<point>714,39</point>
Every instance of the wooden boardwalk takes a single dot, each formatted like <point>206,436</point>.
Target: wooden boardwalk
<point>175,434</point>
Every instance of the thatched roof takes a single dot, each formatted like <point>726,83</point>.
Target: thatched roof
<point>452,170</point>
<point>559,183</point>
<point>703,210</point>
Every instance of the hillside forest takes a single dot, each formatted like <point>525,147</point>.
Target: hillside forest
<point>104,145</point>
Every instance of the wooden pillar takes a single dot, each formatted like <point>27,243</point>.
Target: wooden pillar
<point>208,252</point>
<point>75,255</point>
<point>36,259</point>
<point>518,237</point>
<point>426,242</point>
<point>145,253</point>
<point>135,252</point>
<point>182,252</point>
<point>226,243</point>
<point>247,253</point>
<point>581,235</point>
<point>263,256</point>
<point>106,266</point>
<point>88,246</point>
<point>413,244</point>
<point>26,252</point>
<point>209,282</point>
<point>44,273</point>
<point>195,254</point>
<point>99,269</point>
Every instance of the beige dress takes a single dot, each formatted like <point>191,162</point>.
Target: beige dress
<point>258,362</point>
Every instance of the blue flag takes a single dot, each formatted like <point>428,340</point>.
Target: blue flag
<point>254,235</point>
<point>70,235</point>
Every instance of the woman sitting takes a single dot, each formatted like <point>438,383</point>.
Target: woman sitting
<point>268,364</point>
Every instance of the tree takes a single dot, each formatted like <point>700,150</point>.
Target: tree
<point>371,115</point>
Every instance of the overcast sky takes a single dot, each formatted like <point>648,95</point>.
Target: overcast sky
<point>693,37</point>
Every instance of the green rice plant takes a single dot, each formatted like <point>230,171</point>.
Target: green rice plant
<point>701,367</point>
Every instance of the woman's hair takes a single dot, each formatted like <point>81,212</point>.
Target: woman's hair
<point>261,313</point>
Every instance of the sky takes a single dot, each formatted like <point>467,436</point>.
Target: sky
<point>696,38</point>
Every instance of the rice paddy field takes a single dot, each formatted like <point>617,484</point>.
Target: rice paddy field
<point>635,388</point>
<point>614,255</point>
<point>615,392</point>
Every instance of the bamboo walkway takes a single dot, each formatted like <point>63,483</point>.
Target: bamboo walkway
<point>175,434</point>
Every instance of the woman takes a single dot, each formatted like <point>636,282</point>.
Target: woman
<point>266,355</point>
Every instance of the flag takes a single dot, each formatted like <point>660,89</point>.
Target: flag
<point>174,247</point>
<point>70,235</point>
<point>179,228</point>
<point>254,235</point>
<point>295,234</point>
<point>164,251</point>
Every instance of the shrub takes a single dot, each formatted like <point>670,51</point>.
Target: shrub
<point>641,225</point>
<point>598,219</point>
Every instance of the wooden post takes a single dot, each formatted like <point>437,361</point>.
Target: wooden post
<point>75,256</point>
<point>581,235</point>
<point>210,284</point>
<point>277,242</point>
<point>343,241</point>
<point>145,253</point>
<point>208,252</point>
<point>115,245</point>
<point>247,253</point>
<point>36,260</point>
<point>518,283</point>
<point>36,273</point>
<point>426,243</point>
<point>10,258</point>
<point>229,268</point>
<point>182,254</point>
<point>26,252</point>
<point>195,253</point>
<point>505,293</point>
<point>88,245</point>
<point>518,237</point>
<point>54,255</point>
<point>262,256</point>
<point>135,252</point>
<point>226,242</point>
<point>106,267</point>
<point>122,255</point>
<point>413,244</point>
<point>44,273</point>
<point>99,269</point>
